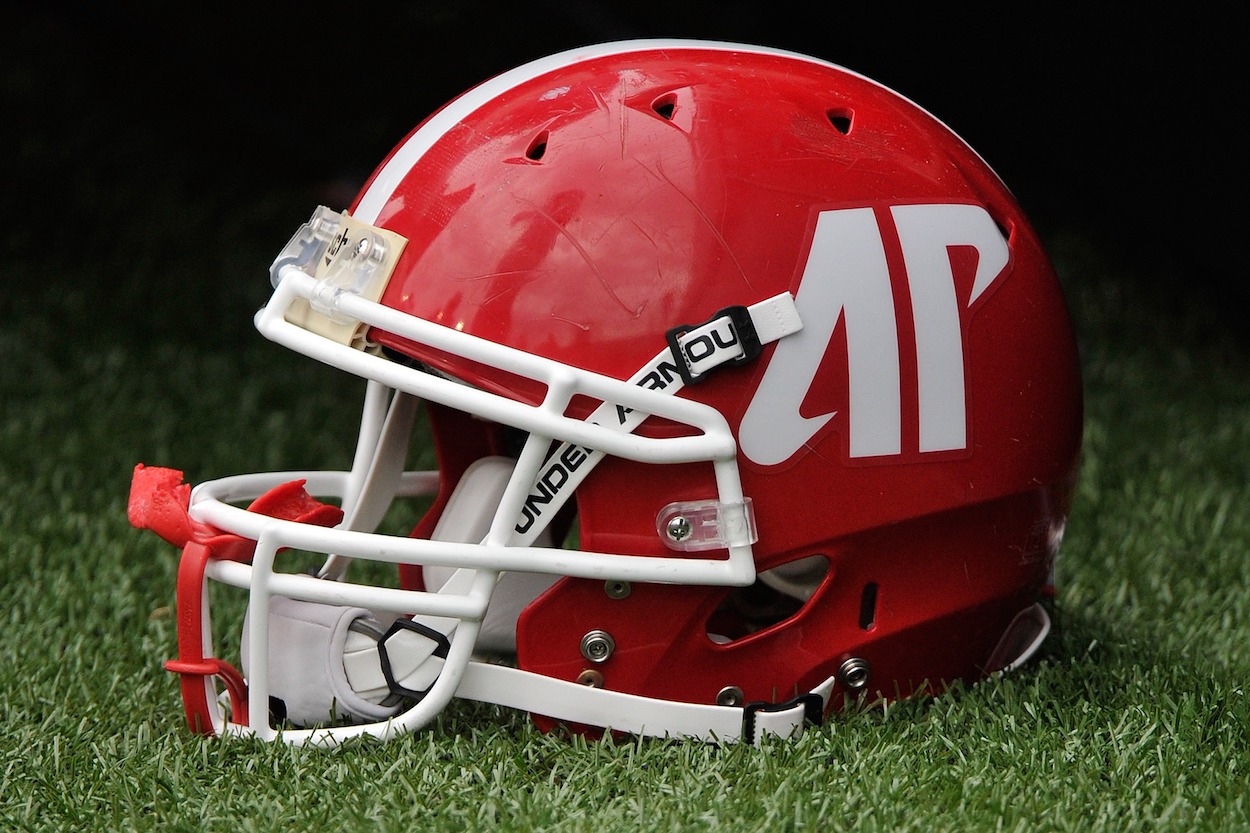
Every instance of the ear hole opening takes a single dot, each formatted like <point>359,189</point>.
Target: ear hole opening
<point>776,597</point>
<point>665,106</point>
<point>868,606</point>
<point>841,119</point>
<point>537,148</point>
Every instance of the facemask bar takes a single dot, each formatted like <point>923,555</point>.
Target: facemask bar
<point>467,608</point>
<point>480,564</point>
<point>714,444</point>
<point>365,494</point>
<point>377,476</point>
<point>381,452</point>
<point>344,265</point>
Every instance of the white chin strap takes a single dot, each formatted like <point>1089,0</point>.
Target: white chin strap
<point>344,663</point>
<point>311,680</point>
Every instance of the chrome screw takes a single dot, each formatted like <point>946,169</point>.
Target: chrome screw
<point>678,528</point>
<point>730,695</point>
<point>854,673</point>
<point>597,646</point>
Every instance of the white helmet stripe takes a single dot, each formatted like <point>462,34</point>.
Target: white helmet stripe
<point>407,155</point>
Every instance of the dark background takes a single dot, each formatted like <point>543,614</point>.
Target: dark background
<point>139,135</point>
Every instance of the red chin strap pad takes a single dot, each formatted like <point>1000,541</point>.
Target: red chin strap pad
<point>159,501</point>
<point>289,502</point>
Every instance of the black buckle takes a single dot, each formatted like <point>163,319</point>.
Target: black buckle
<point>744,332</point>
<point>813,712</point>
<point>443,645</point>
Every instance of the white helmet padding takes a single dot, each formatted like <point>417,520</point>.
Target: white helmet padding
<point>324,659</point>
<point>466,520</point>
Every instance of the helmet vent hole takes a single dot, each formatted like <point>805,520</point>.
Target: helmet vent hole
<point>868,606</point>
<point>840,118</point>
<point>1004,228</point>
<point>665,106</point>
<point>537,148</point>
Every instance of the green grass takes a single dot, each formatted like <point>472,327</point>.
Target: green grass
<point>1136,719</point>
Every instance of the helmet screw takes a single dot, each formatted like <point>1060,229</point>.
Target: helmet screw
<point>616,589</point>
<point>730,695</point>
<point>678,528</point>
<point>591,678</point>
<point>597,646</point>
<point>854,673</point>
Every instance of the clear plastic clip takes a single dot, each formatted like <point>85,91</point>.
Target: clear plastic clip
<point>346,256</point>
<point>309,245</point>
<point>697,525</point>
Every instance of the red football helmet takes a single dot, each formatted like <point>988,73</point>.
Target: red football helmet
<point>751,390</point>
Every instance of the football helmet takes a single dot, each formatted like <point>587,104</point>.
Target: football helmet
<point>751,390</point>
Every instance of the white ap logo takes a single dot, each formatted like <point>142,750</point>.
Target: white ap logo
<point>847,278</point>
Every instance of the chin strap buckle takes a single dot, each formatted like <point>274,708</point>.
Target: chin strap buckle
<point>732,337</point>
<point>727,339</point>
<point>401,679</point>
<point>761,718</point>
<point>573,703</point>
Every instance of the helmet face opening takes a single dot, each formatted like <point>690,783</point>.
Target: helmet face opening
<point>750,388</point>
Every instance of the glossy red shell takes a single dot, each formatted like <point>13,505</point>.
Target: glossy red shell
<point>590,207</point>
